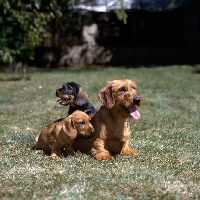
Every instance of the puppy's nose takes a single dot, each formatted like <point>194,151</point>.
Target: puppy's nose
<point>57,92</point>
<point>92,132</point>
<point>136,100</point>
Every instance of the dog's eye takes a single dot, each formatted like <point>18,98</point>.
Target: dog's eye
<point>123,89</point>
<point>82,123</point>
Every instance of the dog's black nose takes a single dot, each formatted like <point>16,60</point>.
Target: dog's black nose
<point>136,100</point>
<point>57,92</point>
<point>92,132</point>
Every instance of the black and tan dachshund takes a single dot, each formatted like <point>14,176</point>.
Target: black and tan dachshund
<point>73,95</point>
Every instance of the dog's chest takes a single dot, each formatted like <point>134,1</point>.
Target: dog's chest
<point>119,132</point>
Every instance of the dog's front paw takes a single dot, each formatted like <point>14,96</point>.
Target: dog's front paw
<point>103,156</point>
<point>129,152</point>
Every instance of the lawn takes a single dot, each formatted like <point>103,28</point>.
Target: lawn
<point>166,136</point>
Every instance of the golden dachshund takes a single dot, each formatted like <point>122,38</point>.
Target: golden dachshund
<point>112,129</point>
<point>60,135</point>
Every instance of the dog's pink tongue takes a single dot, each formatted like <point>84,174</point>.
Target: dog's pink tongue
<point>59,100</point>
<point>134,112</point>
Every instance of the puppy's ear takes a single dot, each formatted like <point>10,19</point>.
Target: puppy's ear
<point>69,128</point>
<point>81,97</point>
<point>106,96</point>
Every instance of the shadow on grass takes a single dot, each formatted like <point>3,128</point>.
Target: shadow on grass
<point>63,153</point>
<point>197,71</point>
<point>15,79</point>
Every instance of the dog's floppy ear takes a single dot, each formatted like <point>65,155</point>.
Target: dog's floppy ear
<point>81,97</point>
<point>106,96</point>
<point>69,128</point>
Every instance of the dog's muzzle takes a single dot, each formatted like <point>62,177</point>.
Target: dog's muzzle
<point>89,136</point>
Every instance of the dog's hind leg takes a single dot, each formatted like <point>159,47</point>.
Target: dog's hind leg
<point>55,150</point>
<point>69,150</point>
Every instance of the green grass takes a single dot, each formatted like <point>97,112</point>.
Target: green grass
<point>166,136</point>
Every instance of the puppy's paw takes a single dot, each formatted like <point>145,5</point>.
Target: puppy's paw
<point>40,151</point>
<point>129,152</point>
<point>54,156</point>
